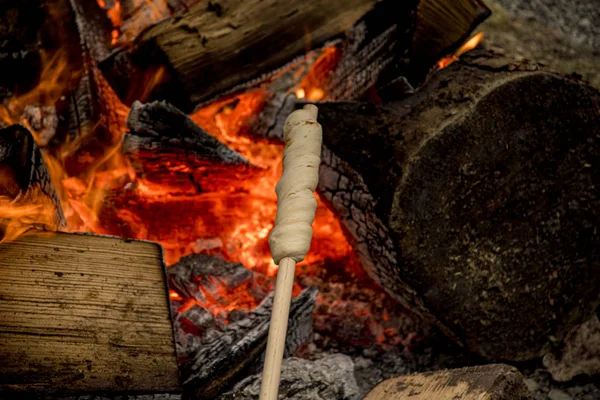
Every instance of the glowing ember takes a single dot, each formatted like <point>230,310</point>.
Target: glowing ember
<point>467,46</point>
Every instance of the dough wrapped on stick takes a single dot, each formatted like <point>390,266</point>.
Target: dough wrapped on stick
<point>290,238</point>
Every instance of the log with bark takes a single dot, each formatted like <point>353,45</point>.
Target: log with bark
<point>496,381</point>
<point>25,181</point>
<point>485,215</point>
<point>84,314</point>
<point>473,202</point>
<point>213,48</point>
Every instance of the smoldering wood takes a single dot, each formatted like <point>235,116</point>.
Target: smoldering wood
<point>85,314</point>
<point>213,47</point>
<point>375,50</point>
<point>495,381</point>
<point>196,270</point>
<point>163,141</point>
<point>25,175</point>
<point>485,214</point>
<point>224,356</point>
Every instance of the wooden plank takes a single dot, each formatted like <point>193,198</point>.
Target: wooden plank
<point>487,382</point>
<point>84,313</point>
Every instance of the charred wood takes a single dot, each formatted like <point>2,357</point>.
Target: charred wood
<point>222,357</point>
<point>164,141</point>
<point>487,201</point>
<point>213,47</point>
<point>90,327</point>
<point>493,216</point>
<point>330,378</point>
<point>25,177</point>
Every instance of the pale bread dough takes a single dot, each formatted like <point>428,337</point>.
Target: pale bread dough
<point>296,203</point>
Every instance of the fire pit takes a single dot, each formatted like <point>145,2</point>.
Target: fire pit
<point>457,204</point>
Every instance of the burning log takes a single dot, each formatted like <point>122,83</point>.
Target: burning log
<point>496,381</point>
<point>223,356</point>
<point>26,191</point>
<point>197,43</point>
<point>474,200</point>
<point>229,41</point>
<point>96,321</point>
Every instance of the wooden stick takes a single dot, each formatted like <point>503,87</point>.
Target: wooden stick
<point>277,331</point>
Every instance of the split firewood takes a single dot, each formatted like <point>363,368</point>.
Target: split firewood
<point>84,314</point>
<point>474,223</point>
<point>489,382</point>
<point>25,185</point>
<point>224,356</point>
<point>197,43</point>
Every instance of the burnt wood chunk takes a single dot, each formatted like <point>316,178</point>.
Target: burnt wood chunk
<point>165,145</point>
<point>475,201</point>
<point>214,46</point>
<point>25,179</point>
<point>158,126</point>
<point>223,356</point>
<point>489,382</point>
<point>84,314</point>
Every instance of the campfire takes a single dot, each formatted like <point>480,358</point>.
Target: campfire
<point>162,121</point>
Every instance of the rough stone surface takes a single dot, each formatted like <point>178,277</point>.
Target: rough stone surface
<point>580,19</point>
<point>580,355</point>
<point>523,38</point>
<point>331,378</point>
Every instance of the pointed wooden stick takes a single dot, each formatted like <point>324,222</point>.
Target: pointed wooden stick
<point>278,329</point>
<point>290,242</point>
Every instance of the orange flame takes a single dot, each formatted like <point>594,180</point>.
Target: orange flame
<point>469,45</point>
<point>19,215</point>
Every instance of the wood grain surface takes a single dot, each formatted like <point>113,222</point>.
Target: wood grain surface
<point>486,382</point>
<point>83,313</point>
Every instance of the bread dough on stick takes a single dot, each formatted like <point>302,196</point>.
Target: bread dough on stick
<point>296,203</point>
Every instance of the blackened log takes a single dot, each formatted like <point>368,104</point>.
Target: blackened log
<point>476,200</point>
<point>215,46</point>
<point>193,276</point>
<point>25,177</point>
<point>226,355</point>
<point>164,141</point>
